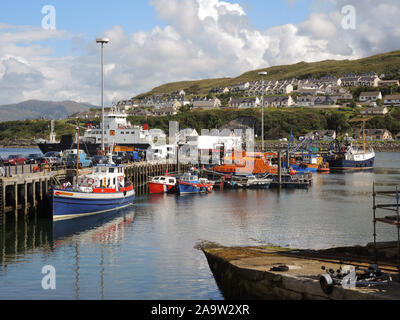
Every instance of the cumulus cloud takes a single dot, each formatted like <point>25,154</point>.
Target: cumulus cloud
<point>201,39</point>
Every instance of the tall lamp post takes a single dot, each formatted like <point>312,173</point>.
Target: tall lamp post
<point>262,111</point>
<point>103,41</point>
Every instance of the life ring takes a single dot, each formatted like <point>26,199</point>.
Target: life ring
<point>90,181</point>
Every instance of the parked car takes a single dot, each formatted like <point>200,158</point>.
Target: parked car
<point>99,159</point>
<point>84,160</point>
<point>34,158</point>
<point>120,157</point>
<point>51,157</point>
<point>15,159</point>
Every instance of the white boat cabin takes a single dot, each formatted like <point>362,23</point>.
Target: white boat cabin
<point>164,180</point>
<point>104,176</point>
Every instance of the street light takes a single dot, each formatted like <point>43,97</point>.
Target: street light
<point>103,41</point>
<point>263,73</point>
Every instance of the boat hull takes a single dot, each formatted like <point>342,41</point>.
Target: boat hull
<point>186,188</point>
<point>70,204</point>
<point>157,188</point>
<point>306,168</point>
<point>343,164</point>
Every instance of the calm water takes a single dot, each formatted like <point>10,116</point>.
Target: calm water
<point>147,251</point>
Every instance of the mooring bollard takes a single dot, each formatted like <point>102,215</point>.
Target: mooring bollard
<point>30,167</point>
<point>23,169</point>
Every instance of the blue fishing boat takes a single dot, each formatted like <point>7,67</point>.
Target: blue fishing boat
<point>190,183</point>
<point>103,191</point>
<point>352,158</point>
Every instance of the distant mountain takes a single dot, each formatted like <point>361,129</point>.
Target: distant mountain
<point>385,63</point>
<point>34,109</point>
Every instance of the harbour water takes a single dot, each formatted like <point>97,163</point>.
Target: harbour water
<point>147,251</point>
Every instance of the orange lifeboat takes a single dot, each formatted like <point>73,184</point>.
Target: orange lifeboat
<point>246,163</point>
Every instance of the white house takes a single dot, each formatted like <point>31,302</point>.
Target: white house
<point>241,86</point>
<point>244,102</point>
<point>375,111</point>
<point>370,96</point>
<point>207,104</point>
<point>325,135</point>
<point>305,100</point>
<point>279,101</point>
<point>392,100</point>
<point>388,83</point>
<point>369,81</point>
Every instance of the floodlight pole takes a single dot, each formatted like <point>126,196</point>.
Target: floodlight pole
<point>102,41</point>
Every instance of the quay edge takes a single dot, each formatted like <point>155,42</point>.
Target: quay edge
<point>243,273</point>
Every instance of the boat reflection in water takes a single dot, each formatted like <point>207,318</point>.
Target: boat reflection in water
<point>100,229</point>
<point>20,239</point>
<point>97,228</point>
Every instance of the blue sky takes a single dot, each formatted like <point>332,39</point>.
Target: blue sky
<point>92,18</point>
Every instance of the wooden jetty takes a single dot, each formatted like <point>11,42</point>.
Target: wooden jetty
<point>25,192</point>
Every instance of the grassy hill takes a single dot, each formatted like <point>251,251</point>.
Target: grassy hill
<point>34,109</point>
<point>386,63</point>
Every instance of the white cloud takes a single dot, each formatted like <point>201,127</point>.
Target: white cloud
<point>201,39</point>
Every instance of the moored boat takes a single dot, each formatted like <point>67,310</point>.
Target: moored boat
<point>246,163</point>
<point>250,182</point>
<point>104,190</point>
<point>349,157</point>
<point>190,183</point>
<point>161,184</point>
<point>324,168</point>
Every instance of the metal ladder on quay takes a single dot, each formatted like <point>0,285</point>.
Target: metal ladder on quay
<point>394,220</point>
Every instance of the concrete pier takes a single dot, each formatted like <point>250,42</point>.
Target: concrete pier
<point>251,273</point>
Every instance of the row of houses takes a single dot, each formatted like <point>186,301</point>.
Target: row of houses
<point>389,100</point>
<point>371,135</point>
<point>321,85</point>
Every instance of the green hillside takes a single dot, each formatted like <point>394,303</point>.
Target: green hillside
<point>386,63</point>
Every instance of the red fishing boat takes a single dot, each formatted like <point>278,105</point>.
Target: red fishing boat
<point>161,184</point>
